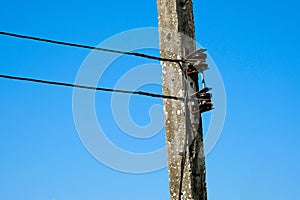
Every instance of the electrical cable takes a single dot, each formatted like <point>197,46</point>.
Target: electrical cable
<point>91,87</point>
<point>90,47</point>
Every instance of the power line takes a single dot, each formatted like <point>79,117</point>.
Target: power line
<point>91,88</point>
<point>90,47</point>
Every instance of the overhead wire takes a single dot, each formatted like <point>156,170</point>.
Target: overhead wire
<point>90,47</point>
<point>91,87</point>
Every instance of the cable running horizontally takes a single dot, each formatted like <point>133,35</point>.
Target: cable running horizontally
<point>90,47</point>
<point>91,88</point>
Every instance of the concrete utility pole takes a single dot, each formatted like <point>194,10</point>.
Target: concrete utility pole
<point>183,126</point>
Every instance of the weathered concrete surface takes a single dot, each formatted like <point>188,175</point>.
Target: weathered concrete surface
<point>184,136</point>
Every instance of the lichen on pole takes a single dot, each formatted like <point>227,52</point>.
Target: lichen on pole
<point>183,129</point>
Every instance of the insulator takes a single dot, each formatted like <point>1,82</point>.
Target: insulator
<point>205,107</point>
<point>204,90</point>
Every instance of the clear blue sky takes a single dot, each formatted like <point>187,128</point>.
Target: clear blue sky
<point>255,46</point>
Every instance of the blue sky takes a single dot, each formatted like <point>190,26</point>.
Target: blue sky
<point>255,46</point>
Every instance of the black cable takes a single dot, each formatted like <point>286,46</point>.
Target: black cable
<point>91,88</point>
<point>184,150</point>
<point>90,47</point>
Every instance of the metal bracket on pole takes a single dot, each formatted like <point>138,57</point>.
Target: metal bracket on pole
<point>197,64</point>
<point>198,60</point>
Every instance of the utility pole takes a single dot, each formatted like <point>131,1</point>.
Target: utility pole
<point>183,124</point>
